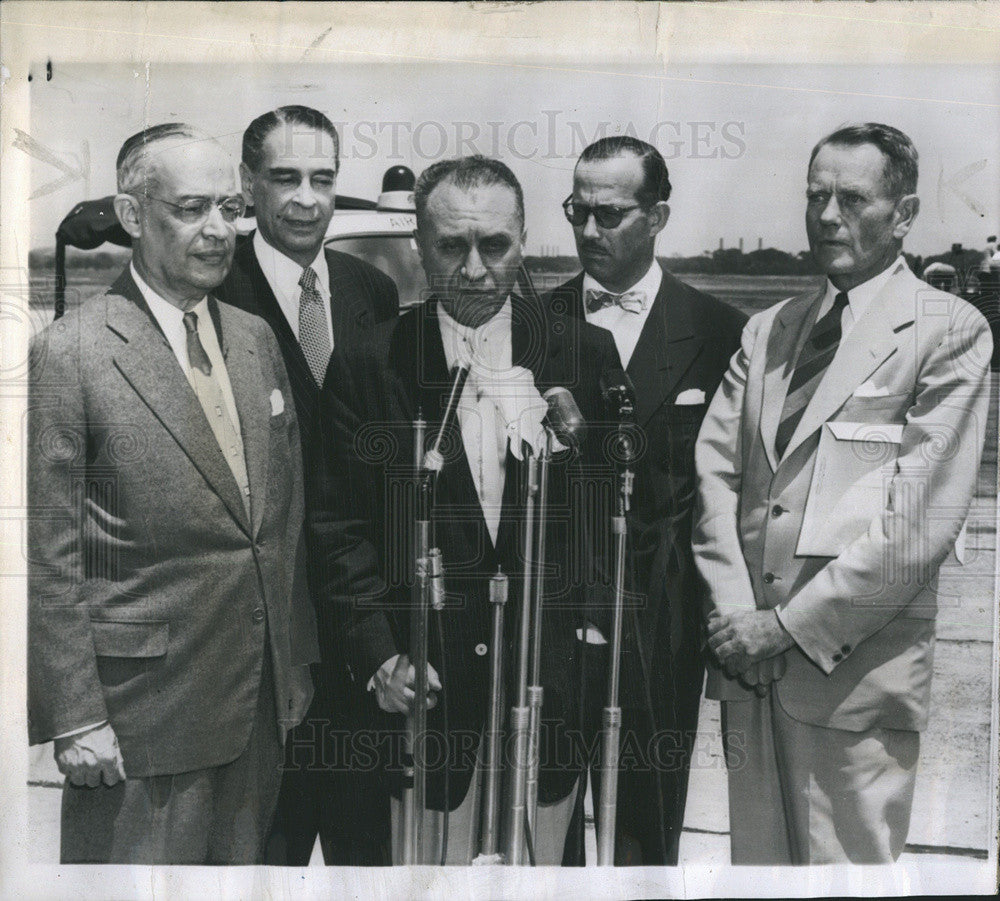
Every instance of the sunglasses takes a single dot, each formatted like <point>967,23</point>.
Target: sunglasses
<point>605,215</point>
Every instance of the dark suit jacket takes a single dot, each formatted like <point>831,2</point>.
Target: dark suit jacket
<point>686,343</point>
<point>361,296</point>
<point>150,590</point>
<point>372,395</point>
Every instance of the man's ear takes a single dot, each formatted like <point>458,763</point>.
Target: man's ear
<point>246,182</point>
<point>416,244</point>
<point>127,211</point>
<point>659,213</point>
<point>905,215</point>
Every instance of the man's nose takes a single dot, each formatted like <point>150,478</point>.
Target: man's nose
<point>214,225</point>
<point>831,212</point>
<point>590,227</point>
<point>474,268</point>
<point>304,195</point>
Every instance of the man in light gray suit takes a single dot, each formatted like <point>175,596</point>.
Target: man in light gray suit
<point>169,624</point>
<point>837,463</point>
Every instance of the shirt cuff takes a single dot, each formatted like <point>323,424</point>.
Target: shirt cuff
<point>80,731</point>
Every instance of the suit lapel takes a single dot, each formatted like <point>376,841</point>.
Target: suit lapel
<point>240,351</point>
<point>790,329</point>
<point>348,312</point>
<point>148,364</point>
<point>871,340</point>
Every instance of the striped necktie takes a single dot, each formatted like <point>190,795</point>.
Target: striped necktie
<point>314,337</point>
<point>814,358</point>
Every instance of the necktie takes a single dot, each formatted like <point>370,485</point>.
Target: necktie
<point>814,358</point>
<point>209,392</point>
<point>314,338</point>
<point>631,301</point>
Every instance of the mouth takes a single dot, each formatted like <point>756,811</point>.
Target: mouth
<point>301,224</point>
<point>212,258</point>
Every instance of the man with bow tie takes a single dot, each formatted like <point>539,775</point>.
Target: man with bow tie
<point>675,343</point>
<point>470,236</point>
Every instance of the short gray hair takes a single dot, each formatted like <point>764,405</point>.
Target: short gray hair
<point>133,162</point>
<point>466,172</point>
<point>901,157</point>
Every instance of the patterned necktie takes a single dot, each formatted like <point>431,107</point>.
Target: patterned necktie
<point>631,301</point>
<point>209,393</point>
<point>815,357</point>
<point>314,338</point>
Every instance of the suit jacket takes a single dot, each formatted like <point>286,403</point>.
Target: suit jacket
<point>150,589</point>
<point>685,344</point>
<point>361,296</point>
<point>372,395</point>
<point>863,620</point>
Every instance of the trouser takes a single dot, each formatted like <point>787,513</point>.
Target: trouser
<point>549,834</point>
<point>653,766</point>
<point>804,794</point>
<point>329,791</point>
<point>216,815</point>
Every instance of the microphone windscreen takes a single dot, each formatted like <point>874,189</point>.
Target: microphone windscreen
<point>564,416</point>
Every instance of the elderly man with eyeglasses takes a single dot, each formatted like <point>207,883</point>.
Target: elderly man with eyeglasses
<point>675,343</point>
<point>169,625</point>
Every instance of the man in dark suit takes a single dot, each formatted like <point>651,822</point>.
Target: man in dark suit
<point>675,343</point>
<point>470,234</point>
<point>314,299</point>
<point>169,621</point>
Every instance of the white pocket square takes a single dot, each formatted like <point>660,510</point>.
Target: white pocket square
<point>870,389</point>
<point>277,402</point>
<point>690,397</point>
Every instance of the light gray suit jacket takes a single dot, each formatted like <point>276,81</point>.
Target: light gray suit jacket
<point>915,367</point>
<point>150,589</point>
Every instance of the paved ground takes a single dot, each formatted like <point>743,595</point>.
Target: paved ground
<point>951,808</point>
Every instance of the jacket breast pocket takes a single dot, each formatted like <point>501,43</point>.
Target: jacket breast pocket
<point>130,639</point>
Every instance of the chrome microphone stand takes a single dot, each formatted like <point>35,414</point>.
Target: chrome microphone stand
<point>612,714</point>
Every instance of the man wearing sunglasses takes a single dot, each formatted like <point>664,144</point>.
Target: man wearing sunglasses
<point>675,343</point>
<point>169,625</point>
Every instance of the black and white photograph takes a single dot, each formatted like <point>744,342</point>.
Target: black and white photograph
<point>504,450</point>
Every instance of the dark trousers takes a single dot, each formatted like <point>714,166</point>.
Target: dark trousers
<point>654,760</point>
<point>217,815</point>
<point>333,788</point>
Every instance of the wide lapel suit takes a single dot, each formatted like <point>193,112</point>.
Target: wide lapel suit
<point>152,590</point>
<point>372,396</point>
<point>678,361</point>
<point>916,366</point>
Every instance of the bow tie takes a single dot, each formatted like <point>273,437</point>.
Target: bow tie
<point>631,301</point>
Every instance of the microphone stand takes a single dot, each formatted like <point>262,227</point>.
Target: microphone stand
<point>612,715</point>
<point>427,591</point>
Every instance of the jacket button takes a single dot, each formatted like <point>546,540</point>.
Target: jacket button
<point>258,615</point>
<point>846,649</point>
<point>768,578</point>
<point>837,658</point>
<point>777,510</point>
<point>481,649</point>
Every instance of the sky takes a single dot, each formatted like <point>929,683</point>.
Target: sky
<point>736,138</point>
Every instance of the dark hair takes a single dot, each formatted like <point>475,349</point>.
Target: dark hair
<point>466,172</point>
<point>131,167</point>
<point>901,158</point>
<point>655,178</point>
<point>258,131</point>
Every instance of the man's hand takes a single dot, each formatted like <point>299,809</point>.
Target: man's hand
<point>739,640</point>
<point>88,757</point>
<point>759,676</point>
<point>394,685</point>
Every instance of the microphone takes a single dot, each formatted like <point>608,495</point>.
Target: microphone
<point>564,417</point>
<point>433,460</point>
<point>618,391</point>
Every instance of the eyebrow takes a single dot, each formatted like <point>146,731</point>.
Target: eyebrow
<point>290,170</point>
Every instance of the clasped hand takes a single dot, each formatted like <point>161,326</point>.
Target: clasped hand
<point>88,757</point>
<point>747,645</point>
<point>394,681</point>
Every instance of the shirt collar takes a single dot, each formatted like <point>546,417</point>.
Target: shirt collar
<point>283,273</point>
<point>489,344</point>
<point>166,313</point>
<point>649,284</point>
<point>860,298</point>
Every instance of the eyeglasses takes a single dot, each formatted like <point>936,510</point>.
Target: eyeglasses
<point>606,215</point>
<point>196,210</point>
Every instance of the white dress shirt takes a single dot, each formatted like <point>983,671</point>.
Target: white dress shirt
<point>859,298</point>
<point>283,276</point>
<point>625,326</point>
